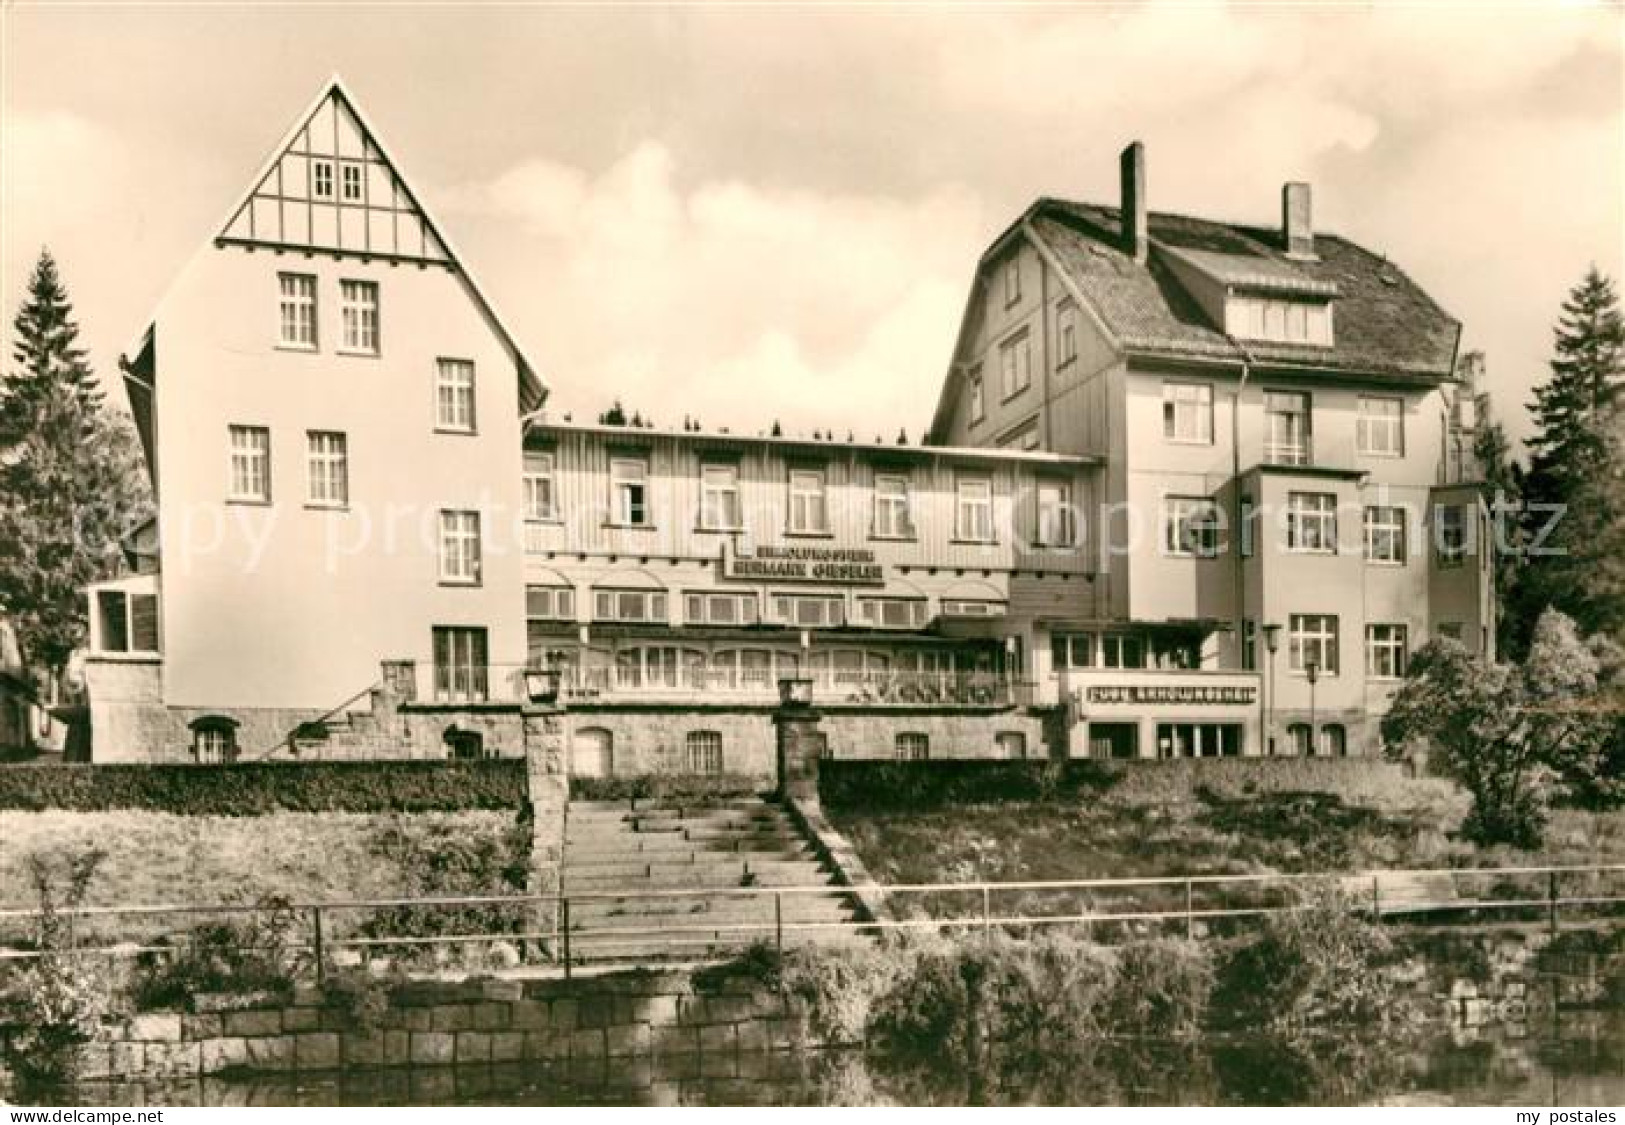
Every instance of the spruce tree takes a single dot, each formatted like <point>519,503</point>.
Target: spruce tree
<point>1588,374</point>
<point>70,481</point>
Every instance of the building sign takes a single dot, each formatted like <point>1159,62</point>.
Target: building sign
<point>840,566</point>
<point>1179,694</point>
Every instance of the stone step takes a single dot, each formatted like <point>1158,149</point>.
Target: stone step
<point>593,916</point>
<point>685,851</point>
<point>655,826</point>
<point>679,878</point>
<point>650,841</point>
<point>695,946</point>
<point>659,804</point>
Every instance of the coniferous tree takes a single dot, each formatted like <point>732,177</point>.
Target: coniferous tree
<point>614,416</point>
<point>71,484</point>
<point>1588,374</point>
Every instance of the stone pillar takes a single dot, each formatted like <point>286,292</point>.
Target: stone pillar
<point>799,743</point>
<point>547,785</point>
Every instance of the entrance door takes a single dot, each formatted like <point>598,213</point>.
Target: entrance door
<point>592,753</point>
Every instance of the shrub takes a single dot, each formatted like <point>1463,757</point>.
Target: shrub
<point>262,952</point>
<point>888,784</point>
<point>1162,988</point>
<point>260,788</point>
<point>697,786</point>
<point>55,1003</point>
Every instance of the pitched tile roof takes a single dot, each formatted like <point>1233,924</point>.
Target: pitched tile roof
<point>1384,323</point>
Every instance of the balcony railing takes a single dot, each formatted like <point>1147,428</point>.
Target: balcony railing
<point>1287,452</point>
<point>868,688</point>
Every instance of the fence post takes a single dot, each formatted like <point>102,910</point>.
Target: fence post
<point>987,913</point>
<point>1551,900</point>
<point>1376,899</point>
<point>778,920</point>
<point>1190,920</point>
<point>564,923</point>
<point>316,943</point>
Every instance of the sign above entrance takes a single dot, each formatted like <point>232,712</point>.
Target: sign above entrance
<point>1193,694</point>
<point>840,566</point>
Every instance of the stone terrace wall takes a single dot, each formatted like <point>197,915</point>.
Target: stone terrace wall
<point>633,1015</point>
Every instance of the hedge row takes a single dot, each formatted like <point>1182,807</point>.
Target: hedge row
<point>695,786</point>
<point>878,783</point>
<point>258,788</point>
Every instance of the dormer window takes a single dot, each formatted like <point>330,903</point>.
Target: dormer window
<point>1279,320</point>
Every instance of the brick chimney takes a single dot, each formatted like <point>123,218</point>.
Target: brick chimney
<point>1297,221</point>
<point>1136,235</point>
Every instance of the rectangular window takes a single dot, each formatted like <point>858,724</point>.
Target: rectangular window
<point>1451,536</point>
<point>460,547</point>
<point>911,746</point>
<point>298,305</point>
<point>719,498</point>
<point>974,512</point>
<point>351,181</point>
<point>1187,412</point>
<point>809,509</point>
<point>329,468</point>
<point>1385,535</point>
<point>891,508</point>
<point>539,493</point>
<point>454,395</point>
<point>978,397</point>
<point>1072,651</point>
<point>321,179</point>
<point>250,464</point>
<point>1190,526</point>
<point>461,673</point>
<point>629,492</point>
<point>550,603</point>
<point>1122,650</point>
<point>629,605</point>
<point>1057,522</point>
<point>1286,428</point>
<point>1312,639</point>
<point>720,609</point>
<point>810,611</point>
<point>1012,282</point>
<point>358,309</point>
<point>972,607</point>
<point>702,752</point>
<point>127,622</point>
<point>1380,426</point>
<point>1066,333</point>
<point>1016,363</point>
<point>1386,651</point>
<point>1311,521</point>
<point>1287,321</point>
<point>893,613</point>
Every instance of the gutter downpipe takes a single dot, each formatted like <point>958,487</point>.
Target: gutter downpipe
<point>1236,524</point>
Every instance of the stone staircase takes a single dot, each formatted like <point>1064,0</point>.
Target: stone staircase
<point>655,869</point>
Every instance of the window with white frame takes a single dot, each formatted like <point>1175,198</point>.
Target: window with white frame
<point>1312,639</point>
<point>660,666</point>
<point>978,396</point>
<point>973,607</point>
<point>350,181</point>
<point>454,395</point>
<point>891,507</point>
<point>1286,428</point>
<point>974,509</point>
<point>321,179</point>
<point>1300,739</point>
<point>250,464</point>
<point>1187,413</point>
<point>1333,741</point>
<point>1190,526</point>
<point>460,547</point>
<point>214,741</point>
<point>1311,521</point>
<point>893,613</point>
<point>912,746</point>
<point>1380,426</point>
<point>1451,533</point>
<point>702,752</point>
<point>298,308</point>
<point>809,506</point>
<point>1012,281</point>
<point>810,611</point>
<point>358,313</point>
<point>461,672</point>
<point>1285,321</point>
<point>329,468</point>
<point>1016,363</point>
<point>720,609</point>
<point>1066,333</point>
<point>1072,651</point>
<point>550,603</point>
<point>1385,534</point>
<point>759,668</point>
<point>1387,650</point>
<point>629,491</point>
<point>1057,521</point>
<point>540,501</point>
<point>719,498</point>
<point>629,605</point>
<point>126,622</point>
<point>1122,650</point>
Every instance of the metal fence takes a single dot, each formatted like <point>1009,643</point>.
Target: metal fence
<point>566,931</point>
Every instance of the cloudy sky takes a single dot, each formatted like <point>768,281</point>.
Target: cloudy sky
<point>775,212</point>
